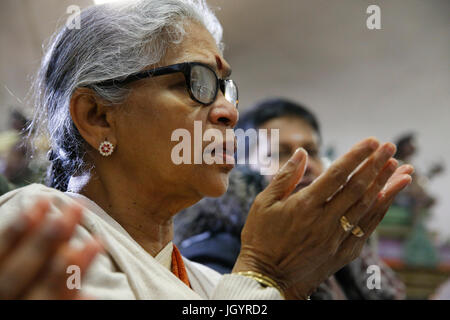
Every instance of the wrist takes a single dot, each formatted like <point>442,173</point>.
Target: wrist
<point>263,280</point>
<point>250,264</point>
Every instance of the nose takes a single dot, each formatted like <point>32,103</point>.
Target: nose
<point>223,112</point>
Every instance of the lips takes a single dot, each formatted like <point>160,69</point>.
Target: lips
<point>226,153</point>
<point>232,151</point>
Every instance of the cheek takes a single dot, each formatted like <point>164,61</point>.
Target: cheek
<point>156,122</point>
<point>144,139</point>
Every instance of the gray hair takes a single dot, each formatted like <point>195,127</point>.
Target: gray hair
<point>114,41</point>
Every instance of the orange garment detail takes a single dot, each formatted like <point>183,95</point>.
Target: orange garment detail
<point>178,268</point>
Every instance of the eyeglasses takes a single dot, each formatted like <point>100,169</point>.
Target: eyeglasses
<point>201,81</point>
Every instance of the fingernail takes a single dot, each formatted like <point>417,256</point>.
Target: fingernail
<point>410,180</point>
<point>373,144</point>
<point>299,155</point>
<point>393,165</point>
<point>389,149</point>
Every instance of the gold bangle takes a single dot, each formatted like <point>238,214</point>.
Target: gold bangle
<point>265,281</point>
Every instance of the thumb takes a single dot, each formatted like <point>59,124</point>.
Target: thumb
<point>287,178</point>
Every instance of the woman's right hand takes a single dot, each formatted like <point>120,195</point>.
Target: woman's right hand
<point>34,255</point>
<point>297,239</point>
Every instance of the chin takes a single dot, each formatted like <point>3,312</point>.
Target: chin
<point>215,184</point>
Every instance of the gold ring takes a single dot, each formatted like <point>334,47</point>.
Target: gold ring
<point>346,225</point>
<point>358,232</point>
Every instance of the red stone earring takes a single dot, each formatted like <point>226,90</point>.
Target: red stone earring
<point>106,148</point>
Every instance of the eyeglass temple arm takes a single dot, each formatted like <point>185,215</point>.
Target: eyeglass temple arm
<point>145,74</point>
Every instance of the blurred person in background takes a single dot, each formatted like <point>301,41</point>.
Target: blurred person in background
<point>412,207</point>
<point>415,197</point>
<point>16,165</point>
<point>14,169</point>
<point>209,231</point>
<point>18,168</point>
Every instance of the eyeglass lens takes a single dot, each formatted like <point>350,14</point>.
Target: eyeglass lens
<point>231,93</point>
<point>204,86</point>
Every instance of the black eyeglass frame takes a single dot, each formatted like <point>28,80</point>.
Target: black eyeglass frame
<point>185,68</point>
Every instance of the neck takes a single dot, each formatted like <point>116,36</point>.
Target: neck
<point>146,216</point>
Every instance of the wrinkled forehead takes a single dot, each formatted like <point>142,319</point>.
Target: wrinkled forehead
<point>197,45</point>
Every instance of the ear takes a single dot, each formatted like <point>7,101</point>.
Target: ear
<point>93,117</point>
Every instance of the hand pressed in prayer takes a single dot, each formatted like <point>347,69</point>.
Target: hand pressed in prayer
<point>298,239</point>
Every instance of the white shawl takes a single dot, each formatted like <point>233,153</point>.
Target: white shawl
<point>126,270</point>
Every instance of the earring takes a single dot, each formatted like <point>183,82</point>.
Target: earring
<point>106,148</point>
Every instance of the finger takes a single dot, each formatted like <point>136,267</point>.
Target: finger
<point>331,180</point>
<point>51,280</point>
<point>402,170</point>
<point>369,222</point>
<point>357,211</point>
<point>394,184</point>
<point>22,226</point>
<point>87,255</point>
<point>357,186</point>
<point>405,169</point>
<point>287,177</point>
<point>57,283</point>
<point>23,265</point>
<point>83,259</point>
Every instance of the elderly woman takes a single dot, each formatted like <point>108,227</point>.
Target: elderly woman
<point>111,94</point>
